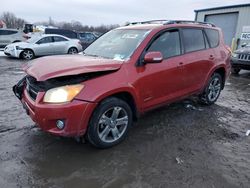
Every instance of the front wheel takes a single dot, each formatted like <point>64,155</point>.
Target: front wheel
<point>27,54</point>
<point>212,90</point>
<point>109,123</point>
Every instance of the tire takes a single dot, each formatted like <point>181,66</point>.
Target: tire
<point>235,70</point>
<point>104,129</point>
<point>212,90</point>
<point>27,54</point>
<point>72,50</point>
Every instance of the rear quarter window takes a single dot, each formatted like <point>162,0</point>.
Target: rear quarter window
<point>193,40</point>
<point>7,32</point>
<point>213,37</point>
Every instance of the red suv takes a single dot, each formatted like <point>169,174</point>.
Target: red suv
<point>123,74</point>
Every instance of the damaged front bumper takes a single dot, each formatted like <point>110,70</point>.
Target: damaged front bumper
<point>74,114</point>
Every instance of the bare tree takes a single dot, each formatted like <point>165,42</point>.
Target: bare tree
<point>12,21</point>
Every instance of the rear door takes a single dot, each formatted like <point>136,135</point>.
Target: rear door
<point>45,46</point>
<point>161,82</point>
<point>198,59</point>
<point>60,45</point>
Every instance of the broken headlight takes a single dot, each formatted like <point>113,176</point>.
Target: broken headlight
<point>62,94</point>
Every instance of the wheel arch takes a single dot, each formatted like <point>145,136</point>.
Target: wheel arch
<point>72,47</point>
<point>125,95</point>
<point>16,41</point>
<point>20,56</point>
<point>220,70</point>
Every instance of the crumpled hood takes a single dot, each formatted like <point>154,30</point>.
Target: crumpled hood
<point>64,65</point>
<point>243,50</point>
<point>20,44</point>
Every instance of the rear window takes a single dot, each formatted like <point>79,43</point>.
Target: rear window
<point>59,39</point>
<point>7,32</point>
<point>193,40</point>
<point>66,33</point>
<point>213,37</point>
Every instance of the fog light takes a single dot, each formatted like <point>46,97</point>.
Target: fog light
<point>60,124</point>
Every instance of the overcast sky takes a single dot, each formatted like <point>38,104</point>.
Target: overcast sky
<point>96,12</point>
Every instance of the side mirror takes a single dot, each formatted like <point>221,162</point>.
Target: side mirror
<point>153,57</point>
<point>243,45</point>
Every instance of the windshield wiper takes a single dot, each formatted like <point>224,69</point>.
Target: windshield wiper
<point>93,55</point>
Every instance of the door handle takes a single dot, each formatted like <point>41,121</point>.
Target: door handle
<point>181,63</point>
<point>211,57</point>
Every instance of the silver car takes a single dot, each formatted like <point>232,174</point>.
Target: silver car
<point>42,45</point>
<point>8,36</point>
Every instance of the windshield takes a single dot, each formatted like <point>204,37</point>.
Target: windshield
<point>117,44</point>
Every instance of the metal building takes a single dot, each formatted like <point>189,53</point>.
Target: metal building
<point>233,20</point>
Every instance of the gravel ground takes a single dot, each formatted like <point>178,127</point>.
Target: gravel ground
<point>181,145</point>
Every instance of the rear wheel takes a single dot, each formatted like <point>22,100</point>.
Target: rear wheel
<point>109,123</point>
<point>212,90</point>
<point>72,51</point>
<point>28,54</point>
<point>235,70</point>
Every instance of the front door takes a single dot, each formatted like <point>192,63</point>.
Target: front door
<point>44,46</point>
<point>162,82</point>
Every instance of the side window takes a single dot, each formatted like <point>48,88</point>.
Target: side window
<point>12,32</point>
<point>4,32</point>
<point>213,37</point>
<point>193,40</point>
<point>168,44</point>
<point>45,40</point>
<point>91,36</point>
<point>59,39</point>
<point>71,35</point>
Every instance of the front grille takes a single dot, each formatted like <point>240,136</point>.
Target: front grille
<point>30,87</point>
<point>244,57</point>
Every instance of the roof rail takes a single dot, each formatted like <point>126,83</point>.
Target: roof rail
<point>148,22</point>
<point>166,22</point>
<point>188,22</point>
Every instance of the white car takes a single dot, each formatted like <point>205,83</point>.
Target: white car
<point>8,36</point>
<point>43,45</point>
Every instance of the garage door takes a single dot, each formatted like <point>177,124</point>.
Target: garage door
<point>227,22</point>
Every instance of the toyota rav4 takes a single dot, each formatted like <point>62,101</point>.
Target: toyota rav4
<point>124,73</point>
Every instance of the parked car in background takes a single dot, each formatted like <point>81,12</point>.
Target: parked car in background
<point>41,45</point>
<point>123,74</point>
<point>8,36</point>
<point>241,59</point>
<point>87,38</point>
<point>64,32</point>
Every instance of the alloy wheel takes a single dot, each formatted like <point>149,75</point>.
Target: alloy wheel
<point>27,54</point>
<point>112,124</point>
<point>214,89</point>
